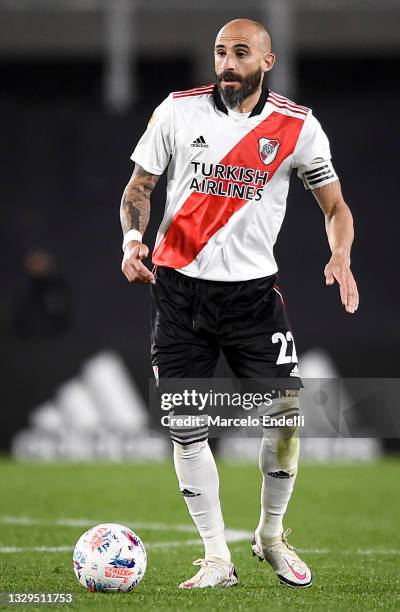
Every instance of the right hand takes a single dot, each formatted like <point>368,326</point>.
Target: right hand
<point>132,266</point>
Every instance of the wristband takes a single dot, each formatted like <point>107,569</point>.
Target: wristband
<point>129,236</point>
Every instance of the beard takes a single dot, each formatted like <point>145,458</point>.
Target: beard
<point>248,85</point>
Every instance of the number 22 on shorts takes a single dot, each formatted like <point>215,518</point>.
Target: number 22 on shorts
<point>285,339</point>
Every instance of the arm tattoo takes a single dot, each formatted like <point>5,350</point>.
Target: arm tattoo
<point>135,204</point>
<point>132,214</point>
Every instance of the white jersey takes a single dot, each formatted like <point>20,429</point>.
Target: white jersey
<point>228,179</point>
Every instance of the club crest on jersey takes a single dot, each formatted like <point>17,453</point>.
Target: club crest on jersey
<point>267,149</point>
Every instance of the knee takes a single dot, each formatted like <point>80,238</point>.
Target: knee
<point>188,451</point>
<point>285,406</point>
<point>280,418</point>
<point>187,431</point>
<point>279,453</point>
<point>280,445</point>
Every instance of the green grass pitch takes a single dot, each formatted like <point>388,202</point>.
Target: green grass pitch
<point>346,516</point>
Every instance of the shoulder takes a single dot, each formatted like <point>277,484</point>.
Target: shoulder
<point>288,107</point>
<point>191,95</point>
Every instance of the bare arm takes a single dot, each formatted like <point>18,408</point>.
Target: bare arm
<point>135,203</point>
<point>135,215</point>
<point>340,232</point>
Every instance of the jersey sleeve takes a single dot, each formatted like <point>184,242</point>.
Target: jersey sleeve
<point>312,156</point>
<point>154,149</point>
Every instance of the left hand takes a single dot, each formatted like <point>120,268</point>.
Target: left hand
<point>338,268</point>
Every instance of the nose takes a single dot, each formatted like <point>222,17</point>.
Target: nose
<point>228,63</point>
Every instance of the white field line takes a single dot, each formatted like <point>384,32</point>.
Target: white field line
<point>232,535</point>
<point>58,549</point>
<point>39,549</point>
<point>27,520</point>
<point>177,543</point>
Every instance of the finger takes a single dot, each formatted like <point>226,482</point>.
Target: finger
<point>329,278</point>
<point>341,281</point>
<point>143,273</point>
<point>357,299</point>
<point>133,274</point>
<point>137,251</point>
<point>352,298</point>
<point>129,272</point>
<point>357,296</point>
<point>351,304</point>
<point>137,271</point>
<point>143,251</point>
<point>137,254</point>
<point>343,289</point>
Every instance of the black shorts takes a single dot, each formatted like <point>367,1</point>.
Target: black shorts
<point>194,319</point>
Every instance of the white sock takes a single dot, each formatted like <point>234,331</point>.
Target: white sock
<point>198,479</point>
<point>278,463</point>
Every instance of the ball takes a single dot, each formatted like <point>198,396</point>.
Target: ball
<point>109,557</point>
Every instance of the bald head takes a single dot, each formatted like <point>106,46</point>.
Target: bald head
<point>242,55</point>
<point>252,32</point>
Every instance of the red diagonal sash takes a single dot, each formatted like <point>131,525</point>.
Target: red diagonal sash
<point>203,214</point>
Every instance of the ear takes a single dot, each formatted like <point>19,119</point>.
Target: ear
<point>268,61</point>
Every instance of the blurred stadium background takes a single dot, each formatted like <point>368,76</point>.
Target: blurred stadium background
<point>79,81</point>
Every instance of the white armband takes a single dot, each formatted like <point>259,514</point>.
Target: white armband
<point>129,236</point>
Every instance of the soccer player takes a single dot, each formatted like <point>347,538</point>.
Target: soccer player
<point>229,149</point>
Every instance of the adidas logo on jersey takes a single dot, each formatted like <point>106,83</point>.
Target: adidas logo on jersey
<point>295,371</point>
<point>199,142</point>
